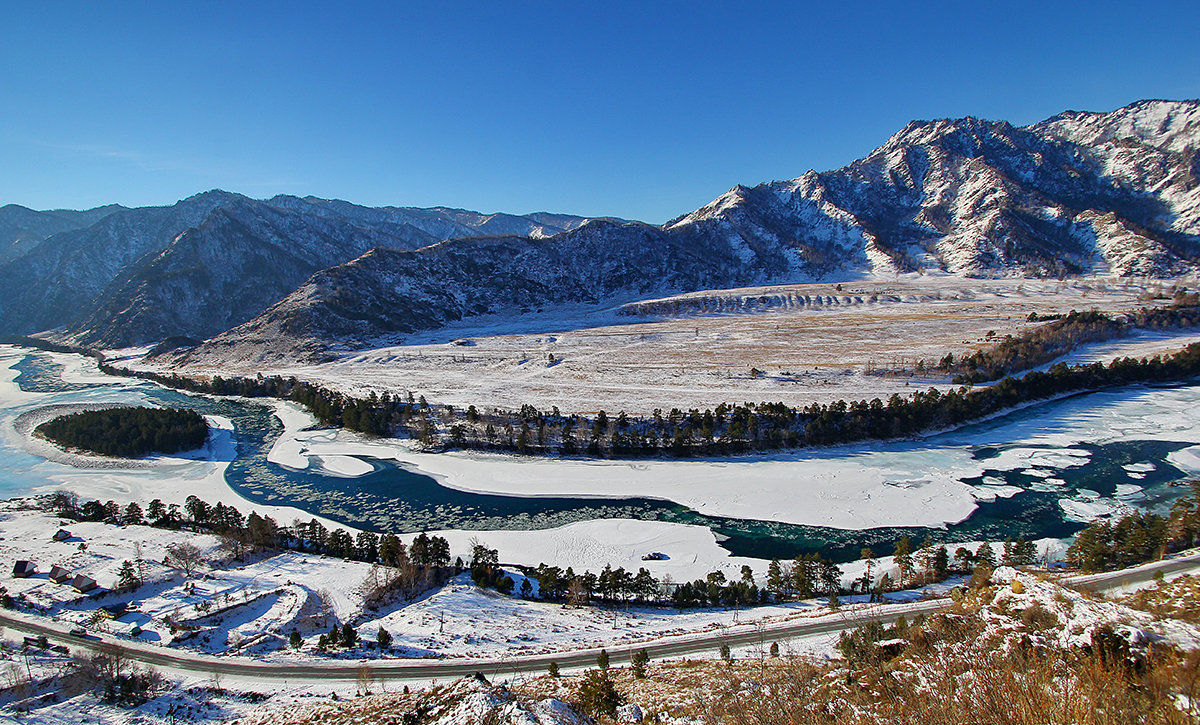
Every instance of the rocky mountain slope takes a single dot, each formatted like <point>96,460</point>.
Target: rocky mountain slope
<point>210,262</point>
<point>1081,193</point>
<point>22,229</point>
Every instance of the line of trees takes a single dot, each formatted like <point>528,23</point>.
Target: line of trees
<point>408,570</point>
<point>723,430</point>
<point>1063,334</point>
<point>405,569</point>
<point>1138,537</point>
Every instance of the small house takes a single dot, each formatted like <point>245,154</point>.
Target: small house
<point>58,575</point>
<point>83,584</point>
<point>61,535</point>
<point>40,642</point>
<point>23,569</point>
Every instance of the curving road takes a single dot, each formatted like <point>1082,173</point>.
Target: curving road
<point>706,643</point>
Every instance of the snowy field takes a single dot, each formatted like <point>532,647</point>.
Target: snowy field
<point>819,350</point>
<point>896,484</point>
<point>251,607</point>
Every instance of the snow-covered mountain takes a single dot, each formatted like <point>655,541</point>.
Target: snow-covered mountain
<point>211,261</point>
<point>1080,193</point>
<point>22,229</point>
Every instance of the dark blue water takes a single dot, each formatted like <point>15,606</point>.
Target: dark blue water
<point>392,498</point>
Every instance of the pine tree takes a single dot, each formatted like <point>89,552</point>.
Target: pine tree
<point>868,557</point>
<point>639,660</point>
<point>597,694</point>
<point>984,555</point>
<point>602,659</point>
<point>903,558</point>
<point>127,576</point>
<point>133,514</point>
<point>383,639</point>
<point>941,562</point>
<point>295,640</point>
<point>775,578</point>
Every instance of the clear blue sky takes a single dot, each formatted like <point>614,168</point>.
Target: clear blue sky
<point>643,110</point>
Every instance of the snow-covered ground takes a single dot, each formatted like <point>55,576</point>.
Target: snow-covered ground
<point>251,607</point>
<point>907,483</point>
<point>27,466</point>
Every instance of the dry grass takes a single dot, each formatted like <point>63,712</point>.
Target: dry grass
<point>982,661</point>
<point>638,364</point>
<point>1177,599</point>
<point>959,667</point>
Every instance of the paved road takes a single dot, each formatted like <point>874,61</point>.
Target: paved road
<point>703,643</point>
<point>1137,575</point>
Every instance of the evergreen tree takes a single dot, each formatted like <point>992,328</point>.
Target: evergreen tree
<point>903,558</point>
<point>984,555</point>
<point>127,576</point>
<point>597,694</point>
<point>639,660</point>
<point>941,562</point>
<point>133,514</point>
<point>775,581</point>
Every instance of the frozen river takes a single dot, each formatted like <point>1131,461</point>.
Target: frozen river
<point>1038,472</point>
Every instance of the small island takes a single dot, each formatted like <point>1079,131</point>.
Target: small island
<point>128,432</point>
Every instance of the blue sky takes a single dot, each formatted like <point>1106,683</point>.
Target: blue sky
<point>643,110</point>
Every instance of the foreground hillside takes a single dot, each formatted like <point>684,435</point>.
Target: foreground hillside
<point>1014,650</point>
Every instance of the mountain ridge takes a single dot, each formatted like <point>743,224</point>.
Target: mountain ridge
<point>138,275</point>
<point>1077,194</point>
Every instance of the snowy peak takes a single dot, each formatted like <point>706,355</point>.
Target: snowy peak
<point>961,136</point>
<point>1165,125</point>
<point>1080,193</point>
<point>984,198</point>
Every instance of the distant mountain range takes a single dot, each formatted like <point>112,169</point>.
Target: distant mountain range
<point>1077,194</point>
<point>204,264</point>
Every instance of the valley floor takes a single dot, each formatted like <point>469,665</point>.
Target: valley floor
<point>800,344</point>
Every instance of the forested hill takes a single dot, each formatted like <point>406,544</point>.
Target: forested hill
<point>128,432</point>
